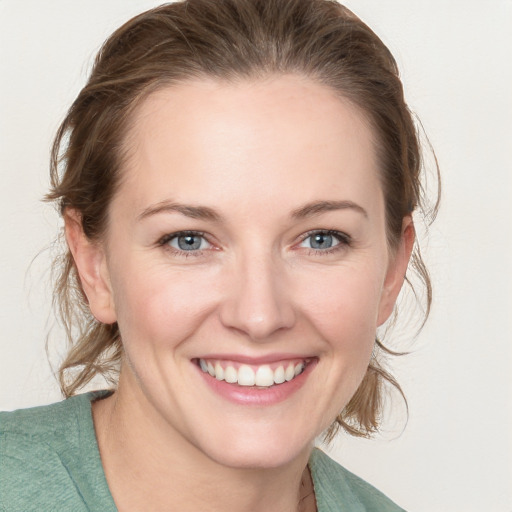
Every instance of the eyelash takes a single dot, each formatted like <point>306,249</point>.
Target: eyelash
<point>343,239</point>
<point>164,242</point>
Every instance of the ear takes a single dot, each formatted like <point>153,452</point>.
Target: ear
<point>397,268</point>
<point>91,264</point>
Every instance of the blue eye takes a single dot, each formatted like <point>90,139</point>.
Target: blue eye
<point>324,240</point>
<point>186,241</point>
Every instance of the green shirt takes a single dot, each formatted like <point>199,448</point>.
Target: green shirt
<point>49,461</point>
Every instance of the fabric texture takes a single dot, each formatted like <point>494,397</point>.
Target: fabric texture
<point>49,460</point>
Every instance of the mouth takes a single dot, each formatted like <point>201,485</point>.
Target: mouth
<point>253,375</point>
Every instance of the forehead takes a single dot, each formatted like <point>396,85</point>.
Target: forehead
<point>273,139</point>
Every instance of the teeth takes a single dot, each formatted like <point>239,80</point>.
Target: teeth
<point>289,372</point>
<point>219,372</point>
<point>279,375</point>
<point>245,375</point>
<point>230,375</point>
<point>264,376</point>
<point>299,368</point>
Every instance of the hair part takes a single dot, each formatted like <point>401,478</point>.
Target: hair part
<point>225,40</point>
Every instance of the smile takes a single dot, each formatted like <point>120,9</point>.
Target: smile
<point>263,376</point>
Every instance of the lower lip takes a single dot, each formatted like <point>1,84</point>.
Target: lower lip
<point>249,395</point>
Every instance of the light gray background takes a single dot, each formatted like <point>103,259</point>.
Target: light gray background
<point>455,453</point>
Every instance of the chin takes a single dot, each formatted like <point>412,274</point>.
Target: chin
<point>259,448</point>
<point>257,457</point>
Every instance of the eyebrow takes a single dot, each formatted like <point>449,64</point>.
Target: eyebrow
<point>193,212</point>
<point>319,207</point>
<point>206,213</point>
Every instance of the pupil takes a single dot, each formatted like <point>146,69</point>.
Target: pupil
<point>322,241</point>
<point>189,242</point>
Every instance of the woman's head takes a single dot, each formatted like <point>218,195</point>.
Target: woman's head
<point>229,42</point>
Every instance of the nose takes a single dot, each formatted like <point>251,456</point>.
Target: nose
<point>258,301</point>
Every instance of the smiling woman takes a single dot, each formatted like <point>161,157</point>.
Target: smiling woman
<point>237,181</point>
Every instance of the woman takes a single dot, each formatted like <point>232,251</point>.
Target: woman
<point>237,181</point>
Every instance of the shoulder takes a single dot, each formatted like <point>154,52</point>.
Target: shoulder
<point>41,421</point>
<point>57,427</point>
<point>339,490</point>
<point>40,450</point>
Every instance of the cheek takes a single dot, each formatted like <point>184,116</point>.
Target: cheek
<point>343,305</point>
<point>161,307</point>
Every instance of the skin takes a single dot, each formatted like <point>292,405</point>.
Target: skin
<point>254,152</point>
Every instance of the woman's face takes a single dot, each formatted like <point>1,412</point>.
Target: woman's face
<point>246,264</point>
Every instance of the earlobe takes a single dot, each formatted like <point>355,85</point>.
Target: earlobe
<point>91,265</point>
<point>396,271</point>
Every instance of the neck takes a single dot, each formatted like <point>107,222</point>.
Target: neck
<point>149,466</point>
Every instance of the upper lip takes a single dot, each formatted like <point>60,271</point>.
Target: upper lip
<point>259,360</point>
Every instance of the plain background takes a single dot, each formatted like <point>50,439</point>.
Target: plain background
<point>456,451</point>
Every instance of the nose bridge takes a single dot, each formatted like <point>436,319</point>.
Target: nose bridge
<point>258,303</point>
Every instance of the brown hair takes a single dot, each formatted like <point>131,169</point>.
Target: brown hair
<point>227,40</point>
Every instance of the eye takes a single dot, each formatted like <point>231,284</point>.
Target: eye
<point>324,240</point>
<point>187,241</point>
